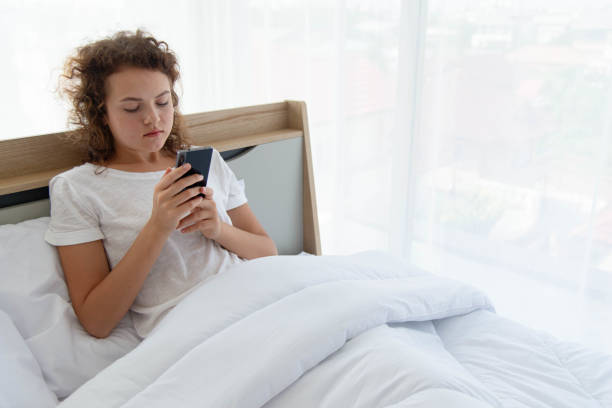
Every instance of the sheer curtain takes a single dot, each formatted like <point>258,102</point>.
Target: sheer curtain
<point>469,137</point>
<point>511,172</point>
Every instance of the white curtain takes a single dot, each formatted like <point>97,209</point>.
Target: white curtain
<point>469,136</point>
<point>512,183</point>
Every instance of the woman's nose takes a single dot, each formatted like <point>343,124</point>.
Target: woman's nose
<point>151,116</point>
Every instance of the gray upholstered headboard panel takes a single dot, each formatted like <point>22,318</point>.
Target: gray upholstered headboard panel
<point>273,176</point>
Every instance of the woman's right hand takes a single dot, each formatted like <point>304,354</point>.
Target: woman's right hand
<point>170,202</point>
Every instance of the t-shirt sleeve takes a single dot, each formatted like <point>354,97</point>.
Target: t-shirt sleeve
<point>235,188</point>
<point>72,220</point>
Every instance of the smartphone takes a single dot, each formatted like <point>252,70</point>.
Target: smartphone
<point>199,158</point>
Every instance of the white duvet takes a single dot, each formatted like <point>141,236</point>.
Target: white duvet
<point>358,331</point>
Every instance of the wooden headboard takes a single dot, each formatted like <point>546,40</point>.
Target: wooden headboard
<point>27,164</point>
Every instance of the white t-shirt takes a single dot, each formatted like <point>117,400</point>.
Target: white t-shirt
<point>90,202</point>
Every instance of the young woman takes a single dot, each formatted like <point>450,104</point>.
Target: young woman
<point>129,235</point>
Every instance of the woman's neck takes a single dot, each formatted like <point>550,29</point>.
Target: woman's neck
<point>153,162</point>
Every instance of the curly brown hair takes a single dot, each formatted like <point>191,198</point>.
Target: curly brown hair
<point>84,76</point>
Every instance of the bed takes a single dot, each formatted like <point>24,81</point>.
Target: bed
<point>296,330</point>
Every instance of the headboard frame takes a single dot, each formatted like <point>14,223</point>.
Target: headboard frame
<point>29,163</point>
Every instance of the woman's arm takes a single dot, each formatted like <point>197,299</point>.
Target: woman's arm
<point>100,296</point>
<point>246,237</point>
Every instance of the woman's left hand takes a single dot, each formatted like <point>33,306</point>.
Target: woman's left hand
<point>204,217</point>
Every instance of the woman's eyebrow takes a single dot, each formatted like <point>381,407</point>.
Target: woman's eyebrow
<point>131,98</point>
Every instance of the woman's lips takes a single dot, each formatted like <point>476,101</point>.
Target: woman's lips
<point>153,133</point>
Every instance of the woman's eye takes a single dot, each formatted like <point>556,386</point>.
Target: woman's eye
<point>133,109</point>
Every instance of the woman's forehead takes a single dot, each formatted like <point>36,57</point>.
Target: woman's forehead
<point>136,82</point>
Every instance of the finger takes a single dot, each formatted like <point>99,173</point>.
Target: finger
<point>166,172</point>
<point>209,207</point>
<point>185,209</point>
<point>181,184</point>
<point>197,216</point>
<point>189,229</point>
<point>171,176</point>
<point>193,218</point>
<point>208,192</point>
<point>185,196</point>
<point>184,183</point>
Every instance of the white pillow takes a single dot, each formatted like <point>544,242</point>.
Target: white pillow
<point>20,375</point>
<point>34,294</point>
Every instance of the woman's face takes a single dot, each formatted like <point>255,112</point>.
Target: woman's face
<point>139,110</point>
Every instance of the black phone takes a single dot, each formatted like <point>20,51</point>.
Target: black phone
<point>199,158</point>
